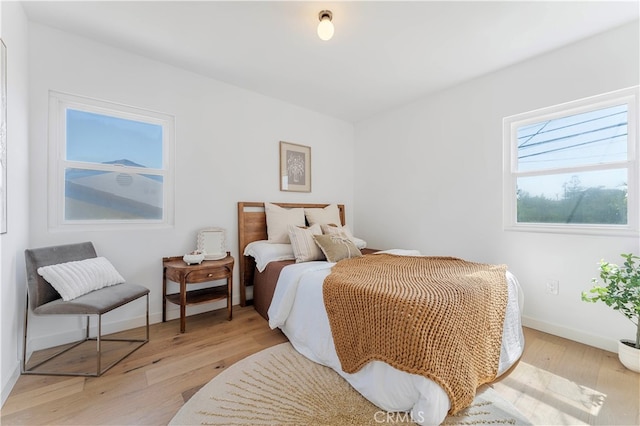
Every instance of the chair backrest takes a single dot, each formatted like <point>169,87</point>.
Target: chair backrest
<point>40,291</point>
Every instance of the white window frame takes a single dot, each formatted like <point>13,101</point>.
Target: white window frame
<point>628,96</point>
<point>58,105</point>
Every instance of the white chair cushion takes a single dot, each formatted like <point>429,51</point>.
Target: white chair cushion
<point>73,279</point>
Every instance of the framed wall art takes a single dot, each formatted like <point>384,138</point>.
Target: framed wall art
<point>295,167</point>
<point>3,137</point>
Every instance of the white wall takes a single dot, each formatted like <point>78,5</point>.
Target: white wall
<point>227,143</point>
<point>432,173</point>
<point>13,30</point>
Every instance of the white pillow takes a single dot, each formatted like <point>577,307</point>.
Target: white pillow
<point>333,229</point>
<point>329,214</point>
<point>73,279</point>
<point>400,252</point>
<point>278,221</point>
<point>359,242</point>
<point>304,246</point>
<point>264,252</point>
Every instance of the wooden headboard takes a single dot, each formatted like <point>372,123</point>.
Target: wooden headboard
<point>252,226</point>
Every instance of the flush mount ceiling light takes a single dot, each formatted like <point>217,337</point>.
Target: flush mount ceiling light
<point>325,27</point>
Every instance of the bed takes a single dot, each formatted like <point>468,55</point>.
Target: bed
<point>252,226</point>
<point>295,305</point>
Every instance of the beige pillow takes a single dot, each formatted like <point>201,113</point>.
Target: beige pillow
<point>304,247</point>
<point>336,247</point>
<point>278,221</point>
<point>333,229</point>
<point>329,214</point>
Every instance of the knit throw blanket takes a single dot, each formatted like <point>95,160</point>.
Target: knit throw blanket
<point>439,317</point>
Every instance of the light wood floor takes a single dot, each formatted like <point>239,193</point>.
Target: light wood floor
<point>556,382</point>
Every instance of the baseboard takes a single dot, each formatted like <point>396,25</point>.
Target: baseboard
<point>173,312</point>
<point>43,342</point>
<point>8,387</point>
<point>571,334</point>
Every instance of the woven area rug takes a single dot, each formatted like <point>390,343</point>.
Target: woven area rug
<point>278,386</point>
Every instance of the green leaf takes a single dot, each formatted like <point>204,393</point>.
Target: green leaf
<point>621,290</point>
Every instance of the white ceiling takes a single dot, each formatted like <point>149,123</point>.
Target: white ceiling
<point>383,54</point>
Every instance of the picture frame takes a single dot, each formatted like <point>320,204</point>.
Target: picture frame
<point>212,242</point>
<point>295,167</point>
<point>3,137</point>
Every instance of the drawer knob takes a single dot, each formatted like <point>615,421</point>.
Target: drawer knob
<point>210,275</point>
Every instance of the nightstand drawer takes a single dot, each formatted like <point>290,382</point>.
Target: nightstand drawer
<point>206,275</point>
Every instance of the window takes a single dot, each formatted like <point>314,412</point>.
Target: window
<point>109,164</point>
<point>573,167</point>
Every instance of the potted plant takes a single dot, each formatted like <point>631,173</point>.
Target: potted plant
<point>621,291</point>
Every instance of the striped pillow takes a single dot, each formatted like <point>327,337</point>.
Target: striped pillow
<point>304,247</point>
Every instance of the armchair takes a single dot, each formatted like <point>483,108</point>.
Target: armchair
<point>43,299</point>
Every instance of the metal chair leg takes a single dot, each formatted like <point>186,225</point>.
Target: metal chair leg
<point>99,343</point>
<point>147,317</point>
<point>24,336</point>
<point>99,339</point>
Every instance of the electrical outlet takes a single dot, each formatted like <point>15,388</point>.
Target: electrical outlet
<point>553,287</point>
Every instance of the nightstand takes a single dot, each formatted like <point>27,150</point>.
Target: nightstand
<point>175,269</point>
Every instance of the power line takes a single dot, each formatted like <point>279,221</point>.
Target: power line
<point>534,135</point>
<point>577,134</point>
<point>570,146</point>
<point>569,125</point>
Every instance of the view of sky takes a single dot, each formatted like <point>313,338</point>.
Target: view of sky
<point>92,194</point>
<point>589,138</point>
<point>99,138</point>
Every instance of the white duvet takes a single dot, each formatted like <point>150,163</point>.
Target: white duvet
<point>298,310</point>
